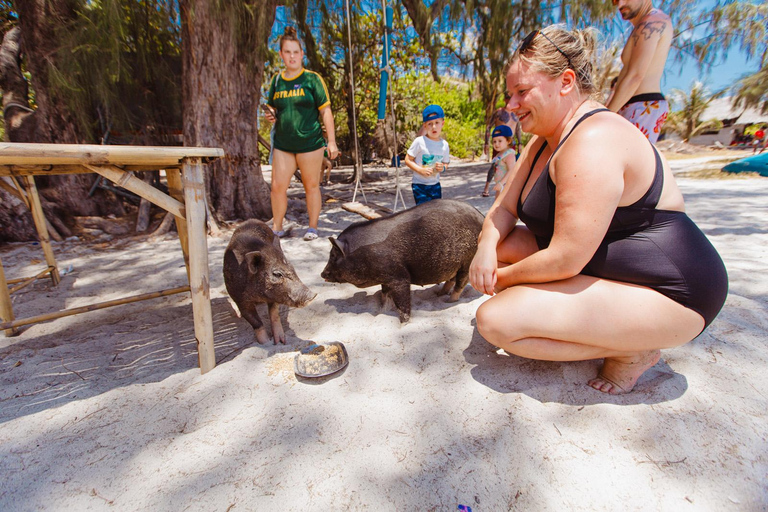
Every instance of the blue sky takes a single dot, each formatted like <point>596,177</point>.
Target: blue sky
<point>719,76</point>
<point>676,76</point>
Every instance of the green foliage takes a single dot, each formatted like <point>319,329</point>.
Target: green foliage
<point>247,28</point>
<point>752,90</point>
<point>708,34</point>
<point>8,18</point>
<point>119,68</point>
<point>464,127</point>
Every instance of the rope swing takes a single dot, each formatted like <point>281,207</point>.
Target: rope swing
<point>386,80</point>
<point>358,163</point>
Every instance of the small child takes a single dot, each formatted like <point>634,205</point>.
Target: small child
<point>503,162</point>
<point>428,156</point>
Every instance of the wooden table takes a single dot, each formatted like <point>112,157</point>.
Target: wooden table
<point>184,172</point>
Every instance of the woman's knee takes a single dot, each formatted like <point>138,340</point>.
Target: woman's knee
<point>494,324</point>
<point>510,315</point>
<point>311,186</point>
<point>279,187</point>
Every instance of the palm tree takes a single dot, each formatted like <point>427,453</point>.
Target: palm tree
<point>687,120</point>
<point>752,90</point>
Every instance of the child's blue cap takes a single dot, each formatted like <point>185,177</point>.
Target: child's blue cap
<point>502,131</point>
<point>432,112</point>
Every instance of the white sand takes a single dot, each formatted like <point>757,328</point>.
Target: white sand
<point>108,411</point>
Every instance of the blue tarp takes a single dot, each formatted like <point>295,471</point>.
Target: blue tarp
<point>757,163</point>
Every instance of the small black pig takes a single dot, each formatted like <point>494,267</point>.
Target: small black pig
<point>256,271</point>
<point>430,243</point>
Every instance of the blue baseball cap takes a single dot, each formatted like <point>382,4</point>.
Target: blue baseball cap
<point>502,131</point>
<point>432,112</point>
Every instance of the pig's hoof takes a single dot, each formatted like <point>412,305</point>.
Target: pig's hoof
<point>280,338</point>
<point>454,297</point>
<point>405,318</point>
<point>446,287</point>
<point>261,335</point>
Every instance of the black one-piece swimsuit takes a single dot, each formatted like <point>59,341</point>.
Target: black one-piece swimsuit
<point>660,249</point>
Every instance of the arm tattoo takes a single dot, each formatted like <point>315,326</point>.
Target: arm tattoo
<point>648,28</point>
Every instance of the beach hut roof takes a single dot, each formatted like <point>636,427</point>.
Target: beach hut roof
<point>722,109</point>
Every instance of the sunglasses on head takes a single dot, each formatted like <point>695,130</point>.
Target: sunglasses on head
<point>528,43</point>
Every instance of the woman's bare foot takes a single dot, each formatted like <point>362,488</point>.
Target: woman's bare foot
<point>619,374</point>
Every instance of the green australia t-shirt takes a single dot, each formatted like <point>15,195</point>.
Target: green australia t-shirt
<point>298,102</point>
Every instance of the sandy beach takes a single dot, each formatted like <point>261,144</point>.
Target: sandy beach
<point>108,411</point>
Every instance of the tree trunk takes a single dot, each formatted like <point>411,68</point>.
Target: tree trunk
<point>221,87</point>
<point>51,122</point>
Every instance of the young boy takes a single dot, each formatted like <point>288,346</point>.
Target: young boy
<point>428,156</point>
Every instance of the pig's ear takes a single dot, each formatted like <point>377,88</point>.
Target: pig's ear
<point>337,244</point>
<point>253,259</point>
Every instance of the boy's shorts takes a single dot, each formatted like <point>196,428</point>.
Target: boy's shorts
<point>423,193</point>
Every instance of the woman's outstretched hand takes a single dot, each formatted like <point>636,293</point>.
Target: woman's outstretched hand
<point>483,271</point>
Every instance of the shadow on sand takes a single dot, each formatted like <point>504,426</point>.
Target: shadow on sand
<point>149,345</point>
<point>564,383</point>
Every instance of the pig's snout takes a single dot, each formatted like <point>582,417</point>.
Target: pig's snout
<point>329,276</point>
<point>301,296</point>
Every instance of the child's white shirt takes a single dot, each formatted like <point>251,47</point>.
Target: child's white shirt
<point>425,152</point>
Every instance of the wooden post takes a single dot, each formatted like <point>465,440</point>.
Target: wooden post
<point>176,190</point>
<point>194,201</point>
<point>42,230</point>
<point>130,182</point>
<point>6,310</point>
<point>92,307</point>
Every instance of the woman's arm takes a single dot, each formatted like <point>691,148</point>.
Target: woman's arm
<point>499,223</point>
<point>330,131</point>
<point>588,172</point>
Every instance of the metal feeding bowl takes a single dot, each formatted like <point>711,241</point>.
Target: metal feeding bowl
<point>320,359</point>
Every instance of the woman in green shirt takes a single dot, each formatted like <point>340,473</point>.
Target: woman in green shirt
<point>299,101</point>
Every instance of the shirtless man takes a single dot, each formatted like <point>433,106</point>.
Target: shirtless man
<point>637,95</point>
<point>499,117</point>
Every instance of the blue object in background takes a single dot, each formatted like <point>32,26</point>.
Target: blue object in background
<point>757,163</point>
<point>387,43</point>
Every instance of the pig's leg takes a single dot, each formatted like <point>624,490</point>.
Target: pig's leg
<point>253,318</point>
<point>447,286</point>
<point>462,278</point>
<point>277,327</point>
<point>400,291</point>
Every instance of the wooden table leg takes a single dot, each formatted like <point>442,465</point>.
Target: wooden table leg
<point>199,284</point>
<point>176,190</point>
<point>42,230</point>
<point>6,310</point>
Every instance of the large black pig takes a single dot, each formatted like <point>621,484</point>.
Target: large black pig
<point>427,244</point>
<point>255,272</point>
